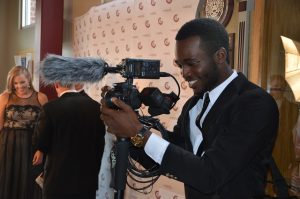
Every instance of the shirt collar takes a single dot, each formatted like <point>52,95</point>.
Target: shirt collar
<point>67,91</point>
<point>216,92</point>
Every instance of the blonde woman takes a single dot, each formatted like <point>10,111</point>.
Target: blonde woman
<point>20,106</point>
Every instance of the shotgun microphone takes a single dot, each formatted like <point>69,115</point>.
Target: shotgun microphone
<point>68,70</point>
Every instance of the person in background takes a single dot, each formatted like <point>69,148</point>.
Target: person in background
<point>284,150</point>
<point>20,107</point>
<point>104,179</point>
<point>71,136</point>
<point>226,130</point>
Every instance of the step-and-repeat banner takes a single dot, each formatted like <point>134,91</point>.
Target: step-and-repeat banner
<point>143,29</point>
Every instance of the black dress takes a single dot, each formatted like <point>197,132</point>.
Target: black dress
<point>16,148</point>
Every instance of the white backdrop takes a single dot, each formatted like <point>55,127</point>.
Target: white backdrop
<point>136,29</point>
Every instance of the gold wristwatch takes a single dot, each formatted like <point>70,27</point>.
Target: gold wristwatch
<point>138,139</point>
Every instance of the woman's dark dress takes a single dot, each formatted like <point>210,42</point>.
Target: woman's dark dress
<point>16,148</point>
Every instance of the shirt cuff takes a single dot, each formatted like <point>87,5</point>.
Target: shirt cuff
<point>153,151</point>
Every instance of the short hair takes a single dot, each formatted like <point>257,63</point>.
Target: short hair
<point>79,86</point>
<point>16,71</point>
<point>213,35</point>
<point>65,84</point>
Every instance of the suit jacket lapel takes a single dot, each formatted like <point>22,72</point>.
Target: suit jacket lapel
<point>227,96</point>
<point>186,126</point>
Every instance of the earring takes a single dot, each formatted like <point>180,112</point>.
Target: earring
<point>28,86</point>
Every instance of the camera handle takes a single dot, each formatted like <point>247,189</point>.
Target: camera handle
<point>119,157</point>
<point>120,170</point>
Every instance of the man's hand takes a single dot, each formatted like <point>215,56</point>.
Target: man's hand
<point>122,122</point>
<point>37,158</point>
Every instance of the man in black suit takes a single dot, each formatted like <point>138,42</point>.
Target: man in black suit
<point>221,152</point>
<point>71,135</point>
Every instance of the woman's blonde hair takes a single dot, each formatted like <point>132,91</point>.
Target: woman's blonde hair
<point>16,71</point>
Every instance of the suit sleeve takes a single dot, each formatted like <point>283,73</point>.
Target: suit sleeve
<point>154,152</point>
<point>44,132</point>
<point>245,130</point>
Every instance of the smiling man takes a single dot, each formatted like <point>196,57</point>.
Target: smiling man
<point>226,131</point>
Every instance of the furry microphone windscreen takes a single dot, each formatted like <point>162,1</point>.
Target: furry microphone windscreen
<point>69,70</point>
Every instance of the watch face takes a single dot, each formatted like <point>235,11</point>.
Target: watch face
<point>137,140</point>
<point>219,10</point>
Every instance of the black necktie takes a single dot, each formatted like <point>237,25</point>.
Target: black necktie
<point>205,105</point>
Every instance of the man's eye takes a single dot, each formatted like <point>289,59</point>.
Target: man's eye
<point>190,64</point>
<point>178,65</point>
<point>193,63</point>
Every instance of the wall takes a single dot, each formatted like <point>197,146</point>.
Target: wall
<point>232,27</point>
<point>3,43</point>
<point>16,40</point>
<point>73,9</point>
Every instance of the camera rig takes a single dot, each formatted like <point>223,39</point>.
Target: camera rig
<point>157,102</point>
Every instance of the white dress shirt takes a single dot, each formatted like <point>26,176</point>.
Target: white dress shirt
<point>157,153</point>
<point>67,91</point>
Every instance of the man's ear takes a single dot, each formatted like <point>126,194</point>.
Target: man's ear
<point>220,56</point>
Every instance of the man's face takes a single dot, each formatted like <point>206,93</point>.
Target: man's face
<point>197,66</point>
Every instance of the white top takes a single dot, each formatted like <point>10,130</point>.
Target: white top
<point>157,153</point>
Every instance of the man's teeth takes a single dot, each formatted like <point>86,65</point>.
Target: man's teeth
<point>192,82</point>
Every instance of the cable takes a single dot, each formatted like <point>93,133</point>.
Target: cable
<point>142,176</point>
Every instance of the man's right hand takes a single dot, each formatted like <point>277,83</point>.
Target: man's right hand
<point>122,122</point>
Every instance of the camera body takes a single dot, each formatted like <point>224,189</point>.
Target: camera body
<point>128,93</point>
<point>158,102</point>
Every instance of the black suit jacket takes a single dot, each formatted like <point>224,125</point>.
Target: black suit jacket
<point>71,135</point>
<point>239,133</point>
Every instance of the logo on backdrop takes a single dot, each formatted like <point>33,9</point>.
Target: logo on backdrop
<point>153,44</point>
<point>147,23</point>
<point>160,21</point>
<point>183,85</point>
<point>141,7</point>
<point>167,85</point>
<point>117,13</point>
<point>176,18</point>
<point>134,26</point>
<point>153,2</point>
<point>128,9</point>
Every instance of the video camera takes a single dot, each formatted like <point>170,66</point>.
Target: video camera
<point>158,102</point>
